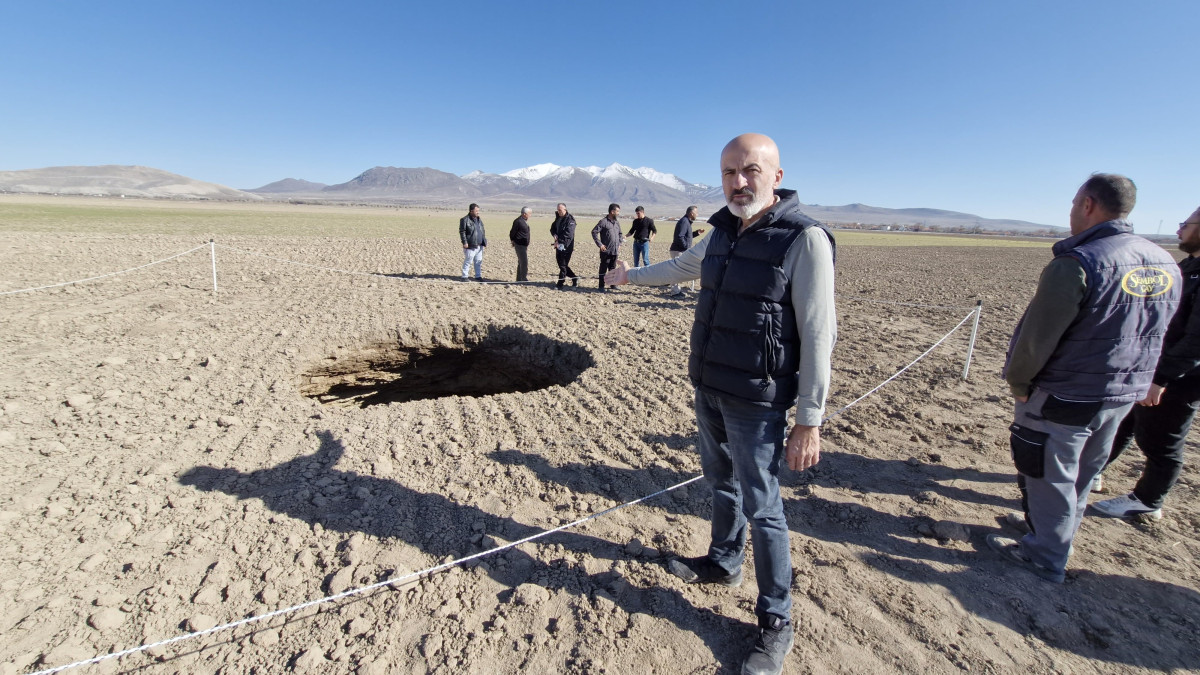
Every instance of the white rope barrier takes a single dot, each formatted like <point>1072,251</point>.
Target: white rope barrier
<point>901,371</point>
<point>358,591</point>
<point>212,246</point>
<point>454,563</point>
<point>102,276</point>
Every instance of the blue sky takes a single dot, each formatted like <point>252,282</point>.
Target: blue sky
<point>997,109</point>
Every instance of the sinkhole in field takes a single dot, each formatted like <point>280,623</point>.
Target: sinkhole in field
<point>459,361</point>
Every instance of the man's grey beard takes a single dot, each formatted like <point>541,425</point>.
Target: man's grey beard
<point>752,209</point>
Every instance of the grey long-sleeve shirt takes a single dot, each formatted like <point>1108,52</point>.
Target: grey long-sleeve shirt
<point>809,264</point>
<point>1054,306</point>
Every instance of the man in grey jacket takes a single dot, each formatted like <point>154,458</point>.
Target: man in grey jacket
<point>608,238</point>
<point>764,329</point>
<point>474,240</point>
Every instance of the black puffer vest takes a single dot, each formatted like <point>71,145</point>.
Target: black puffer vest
<point>744,340</point>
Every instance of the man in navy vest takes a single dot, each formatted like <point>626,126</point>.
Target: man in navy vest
<point>761,341</point>
<point>1082,354</point>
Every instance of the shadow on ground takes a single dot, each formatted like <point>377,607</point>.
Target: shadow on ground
<point>1108,618</point>
<point>441,528</point>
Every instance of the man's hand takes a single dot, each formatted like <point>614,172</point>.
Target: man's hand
<point>1021,399</point>
<point>619,275</point>
<point>465,247</point>
<point>1153,397</point>
<point>698,232</point>
<point>803,446</point>
<point>603,248</point>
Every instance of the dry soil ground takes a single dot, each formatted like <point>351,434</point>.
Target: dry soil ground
<point>165,466</point>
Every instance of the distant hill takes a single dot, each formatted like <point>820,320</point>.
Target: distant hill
<point>935,218</point>
<point>390,181</point>
<point>114,180</point>
<point>291,186</point>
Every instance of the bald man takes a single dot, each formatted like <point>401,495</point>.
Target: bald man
<point>761,341</point>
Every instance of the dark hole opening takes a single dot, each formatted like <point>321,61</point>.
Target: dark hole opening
<point>464,362</point>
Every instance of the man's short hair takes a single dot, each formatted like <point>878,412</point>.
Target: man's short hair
<point>526,209</point>
<point>1113,192</point>
<point>562,205</point>
<point>691,209</point>
<point>473,206</point>
<point>639,210</point>
<point>613,207</point>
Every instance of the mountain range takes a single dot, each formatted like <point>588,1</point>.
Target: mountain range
<point>591,185</point>
<point>586,190</point>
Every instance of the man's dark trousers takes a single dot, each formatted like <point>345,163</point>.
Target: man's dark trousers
<point>522,262</point>
<point>1160,431</point>
<point>563,257</point>
<point>608,261</point>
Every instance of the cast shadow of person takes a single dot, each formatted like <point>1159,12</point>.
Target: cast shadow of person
<point>873,475</point>
<point>811,516</point>
<point>442,528</point>
<point>425,275</point>
<point>895,541</point>
<point>1106,617</point>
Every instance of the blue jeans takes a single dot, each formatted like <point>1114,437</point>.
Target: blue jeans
<point>741,447</point>
<point>641,252</point>
<point>473,256</point>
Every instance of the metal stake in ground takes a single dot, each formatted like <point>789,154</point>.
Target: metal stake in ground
<point>212,249</point>
<point>971,344</point>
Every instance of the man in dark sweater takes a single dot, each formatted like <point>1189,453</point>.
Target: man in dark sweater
<point>1161,421</point>
<point>519,236</point>
<point>608,238</point>
<point>643,232</point>
<point>563,231</point>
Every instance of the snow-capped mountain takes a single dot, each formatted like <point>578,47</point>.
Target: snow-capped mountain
<point>612,182</point>
<point>529,173</point>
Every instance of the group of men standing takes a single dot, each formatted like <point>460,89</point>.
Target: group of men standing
<point>1089,347</point>
<point>606,234</point>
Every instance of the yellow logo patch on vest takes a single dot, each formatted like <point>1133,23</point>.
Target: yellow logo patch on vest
<point>1146,282</point>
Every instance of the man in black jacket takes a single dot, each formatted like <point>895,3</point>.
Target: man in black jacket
<point>1161,421</point>
<point>682,241</point>
<point>474,240</point>
<point>519,236</point>
<point>563,231</point>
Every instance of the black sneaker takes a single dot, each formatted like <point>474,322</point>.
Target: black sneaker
<point>775,640</point>
<point>703,571</point>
